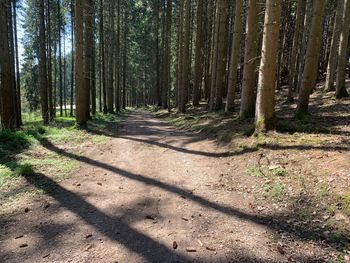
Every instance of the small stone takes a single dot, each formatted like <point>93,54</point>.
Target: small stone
<point>175,245</point>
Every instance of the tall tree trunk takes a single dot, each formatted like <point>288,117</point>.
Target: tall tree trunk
<point>93,62</point>
<point>60,55</point>
<point>199,54</point>
<point>332,61</point>
<point>250,57</point>
<point>235,57</point>
<point>43,64</point>
<point>219,48</point>
<point>72,53</point>
<point>300,15</point>
<point>167,81</point>
<point>265,103</point>
<point>341,91</point>
<point>80,88</point>
<point>7,90</point>
<point>18,80</point>
<point>110,91</point>
<point>88,38</point>
<point>185,55</point>
<point>124,58</point>
<point>311,58</point>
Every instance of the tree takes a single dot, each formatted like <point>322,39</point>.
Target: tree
<point>43,64</point>
<point>8,111</point>
<point>311,58</point>
<point>199,53</point>
<point>185,55</point>
<point>81,107</point>
<point>300,15</point>
<point>332,61</point>
<point>167,81</point>
<point>341,91</point>
<point>250,57</point>
<point>219,57</point>
<point>265,103</point>
<point>235,57</point>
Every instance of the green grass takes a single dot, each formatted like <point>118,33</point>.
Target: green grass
<point>279,171</point>
<point>255,171</point>
<point>274,191</point>
<point>22,153</point>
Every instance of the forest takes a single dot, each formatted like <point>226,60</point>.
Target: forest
<point>175,131</point>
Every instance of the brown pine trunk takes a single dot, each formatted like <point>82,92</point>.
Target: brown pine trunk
<point>80,88</point>
<point>185,55</point>
<point>43,64</point>
<point>341,91</point>
<point>110,90</point>
<point>250,58</point>
<point>7,90</point>
<point>220,48</point>
<point>199,54</point>
<point>311,58</point>
<point>265,103</point>
<point>332,61</point>
<point>18,80</point>
<point>235,57</point>
<point>300,15</point>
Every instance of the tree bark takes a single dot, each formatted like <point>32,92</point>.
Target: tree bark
<point>311,58</point>
<point>332,61</point>
<point>235,57</point>
<point>265,104</point>
<point>341,91</point>
<point>300,15</point>
<point>80,88</point>
<point>199,54</point>
<point>7,91</point>
<point>43,64</point>
<point>250,58</point>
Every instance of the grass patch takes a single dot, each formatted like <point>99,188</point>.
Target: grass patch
<point>24,169</point>
<point>274,191</point>
<point>255,171</point>
<point>22,153</point>
<point>279,171</point>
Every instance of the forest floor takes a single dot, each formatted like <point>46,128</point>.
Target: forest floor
<point>141,189</point>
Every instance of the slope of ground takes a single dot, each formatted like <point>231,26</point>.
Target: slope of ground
<point>154,193</point>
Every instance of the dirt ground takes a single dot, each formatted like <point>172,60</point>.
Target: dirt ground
<point>155,193</point>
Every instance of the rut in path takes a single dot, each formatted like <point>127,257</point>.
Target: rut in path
<point>146,196</point>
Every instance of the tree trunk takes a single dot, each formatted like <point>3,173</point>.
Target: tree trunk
<point>80,88</point>
<point>235,57</point>
<point>72,53</point>
<point>185,55</point>
<point>300,15</point>
<point>110,90</point>
<point>341,91</point>
<point>199,54</point>
<point>311,58</point>
<point>250,58</point>
<point>265,104</point>
<point>220,48</point>
<point>42,64</point>
<point>18,80</point>
<point>332,61</point>
<point>7,91</point>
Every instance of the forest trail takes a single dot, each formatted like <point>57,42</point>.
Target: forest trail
<point>148,195</point>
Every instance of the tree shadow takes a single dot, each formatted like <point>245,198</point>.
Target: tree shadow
<point>278,223</point>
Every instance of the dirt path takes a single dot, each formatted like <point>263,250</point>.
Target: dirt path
<point>147,196</point>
